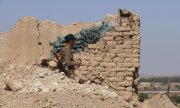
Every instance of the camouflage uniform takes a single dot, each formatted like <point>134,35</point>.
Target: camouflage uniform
<point>68,59</point>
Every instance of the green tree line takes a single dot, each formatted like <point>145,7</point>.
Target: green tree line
<point>161,79</point>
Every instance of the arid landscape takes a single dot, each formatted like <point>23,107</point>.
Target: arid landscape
<point>107,78</point>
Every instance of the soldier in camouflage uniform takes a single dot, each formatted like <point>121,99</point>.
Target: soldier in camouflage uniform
<point>67,56</point>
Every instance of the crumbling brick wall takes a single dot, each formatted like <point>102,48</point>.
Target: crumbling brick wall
<point>116,56</point>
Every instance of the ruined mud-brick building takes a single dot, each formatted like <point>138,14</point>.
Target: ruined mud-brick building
<point>116,56</point>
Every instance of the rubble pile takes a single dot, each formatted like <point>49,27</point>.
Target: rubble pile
<point>38,79</point>
<point>22,81</point>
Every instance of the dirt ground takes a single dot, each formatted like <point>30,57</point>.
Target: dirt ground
<point>57,100</point>
<point>37,87</point>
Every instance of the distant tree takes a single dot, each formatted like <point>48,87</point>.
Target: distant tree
<point>163,80</point>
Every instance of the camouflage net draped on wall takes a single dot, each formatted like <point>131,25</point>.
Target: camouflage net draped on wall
<point>83,39</point>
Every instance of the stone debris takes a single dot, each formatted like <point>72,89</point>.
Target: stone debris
<point>53,82</point>
<point>40,79</point>
<point>52,64</point>
<point>43,75</point>
<point>59,100</point>
<point>13,85</point>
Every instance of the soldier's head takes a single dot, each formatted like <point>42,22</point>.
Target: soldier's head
<point>70,39</point>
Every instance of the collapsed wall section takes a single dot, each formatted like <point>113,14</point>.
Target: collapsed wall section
<point>116,56</point>
<point>28,41</point>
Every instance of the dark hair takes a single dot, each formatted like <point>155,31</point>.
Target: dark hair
<point>69,37</point>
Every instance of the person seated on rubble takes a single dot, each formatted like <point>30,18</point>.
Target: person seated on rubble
<point>65,59</point>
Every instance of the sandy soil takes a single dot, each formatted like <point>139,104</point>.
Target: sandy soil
<point>57,100</point>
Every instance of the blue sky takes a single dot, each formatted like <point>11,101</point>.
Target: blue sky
<point>160,24</point>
